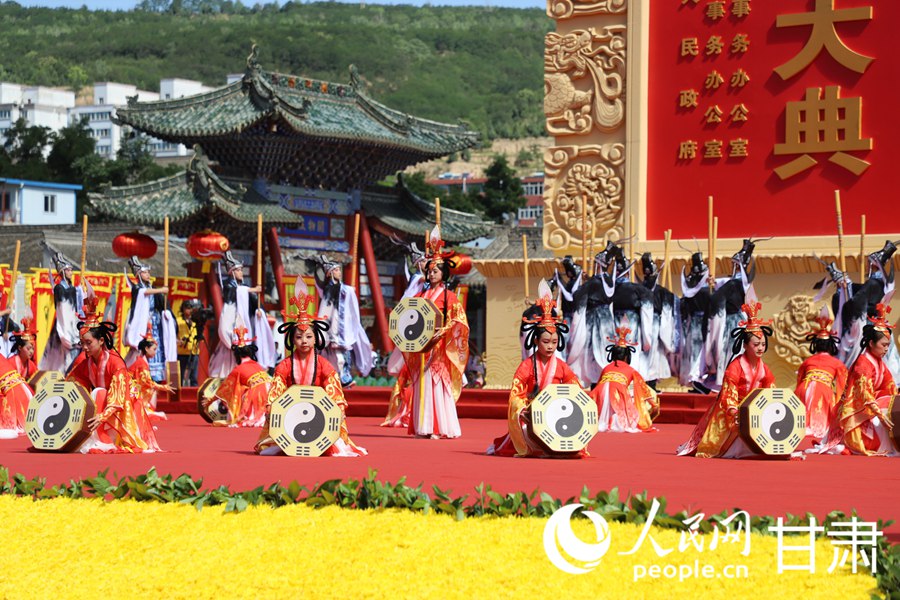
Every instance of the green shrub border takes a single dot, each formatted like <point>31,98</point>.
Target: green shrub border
<point>370,493</point>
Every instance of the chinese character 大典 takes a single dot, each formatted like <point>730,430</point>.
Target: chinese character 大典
<point>712,149</point>
<point>826,124</point>
<point>739,78</point>
<point>713,114</point>
<point>714,80</point>
<point>740,43</point>
<point>689,47</point>
<point>687,150</point>
<point>739,113</point>
<point>688,98</point>
<point>824,35</point>
<point>715,10</point>
<point>809,547</point>
<point>856,537</point>
<point>740,8</point>
<point>714,45</point>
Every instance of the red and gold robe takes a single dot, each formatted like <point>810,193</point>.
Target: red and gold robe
<point>296,371</point>
<point>718,428</point>
<point>436,375</point>
<point>820,383</point>
<point>246,392</point>
<point>117,402</point>
<point>870,388</point>
<point>519,441</point>
<point>147,389</point>
<point>26,370</point>
<point>15,394</point>
<point>622,398</point>
<point>400,405</point>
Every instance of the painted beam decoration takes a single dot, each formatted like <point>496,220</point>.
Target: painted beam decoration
<point>772,105</point>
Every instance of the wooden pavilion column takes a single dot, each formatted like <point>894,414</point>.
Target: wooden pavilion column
<point>277,264</point>
<point>381,320</point>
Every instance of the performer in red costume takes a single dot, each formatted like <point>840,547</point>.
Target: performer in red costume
<point>303,365</point>
<point>544,333</point>
<point>821,378</point>
<point>15,392</point>
<point>861,424</point>
<point>23,342</point>
<point>246,389</point>
<point>120,422</point>
<point>148,390</point>
<point>624,400</point>
<point>716,435</point>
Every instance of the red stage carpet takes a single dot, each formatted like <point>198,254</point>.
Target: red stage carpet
<point>631,462</point>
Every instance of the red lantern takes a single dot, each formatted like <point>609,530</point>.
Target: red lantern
<point>463,264</point>
<point>207,246</point>
<point>131,244</point>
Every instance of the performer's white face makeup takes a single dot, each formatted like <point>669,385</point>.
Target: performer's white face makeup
<point>238,275</point>
<point>92,346</point>
<point>880,348</point>
<point>434,274</point>
<point>67,273</point>
<point>547,344</point>
<point>27,351</point>
<point>151,350</point>
<point>755,346</point>
<point>145,276</point>
<point>304,341</point>
<point>335,273</point>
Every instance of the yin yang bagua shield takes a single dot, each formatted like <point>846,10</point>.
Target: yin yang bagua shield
<point>564,418</point>
<point>894,416</point>
<point>413,324</point>
<point>42,378</point>
<point>304,421</point>
<point>211,408</point>
<point>57,417</point>
<point>772,421</point>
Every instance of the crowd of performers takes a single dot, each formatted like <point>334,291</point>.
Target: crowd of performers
<point>623,337</point>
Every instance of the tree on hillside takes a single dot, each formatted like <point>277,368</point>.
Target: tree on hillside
<point>71,143</point>
<point>454,199</point>
<point>502,192</point>
<point>23,151</point>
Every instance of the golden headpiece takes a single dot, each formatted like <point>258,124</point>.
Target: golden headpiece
<point>241,337</point>
<point>754,324</point>
<point>823,328</point>
<point>433,246</point>
<point>90,319</point>
<point>29,331</point>
<point>621,339</point>
<point>149,335</point>
<point>880,320</point>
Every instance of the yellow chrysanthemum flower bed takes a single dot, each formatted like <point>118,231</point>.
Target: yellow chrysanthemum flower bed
<point>95,549</point>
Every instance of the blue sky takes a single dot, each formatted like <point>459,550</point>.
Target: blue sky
<point>128,4</point>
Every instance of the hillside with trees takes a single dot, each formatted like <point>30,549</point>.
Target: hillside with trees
<point>480,64</point>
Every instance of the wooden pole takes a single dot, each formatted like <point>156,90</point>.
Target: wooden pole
<point>166,252</point>
<point>84,225</point>
<point>631,245</point>
<point>862,249</point>
<point>12,286</point>
<point>714,260</point>
<point>437,212</point>
<point>584,258</point>
<point>664,276</point>
<point>590,271</point>
<point>354,254</point>
<point>710,245</point>
<point>525,259</point>
<point>259,258</point>
<point>840,228</point>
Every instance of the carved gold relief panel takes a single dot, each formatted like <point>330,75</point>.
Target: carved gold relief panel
<point>564,9</point>
<point>791,326</point>
<point>583,178</point>
<point>584,80</point>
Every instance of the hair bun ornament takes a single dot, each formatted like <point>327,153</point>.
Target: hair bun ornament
<point>880,320</point>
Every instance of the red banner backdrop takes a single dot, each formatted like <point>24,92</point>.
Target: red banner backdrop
<point>770,106</point>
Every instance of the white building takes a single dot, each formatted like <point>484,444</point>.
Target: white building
<point>25,202</point>
<point>107,95</point>
<point>38,105</point>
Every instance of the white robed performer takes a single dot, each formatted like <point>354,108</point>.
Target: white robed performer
<point>414,271</point>
<point>64,343</point>
<point>347,343</point>
<point>148,305</point>
<point>240,300</point>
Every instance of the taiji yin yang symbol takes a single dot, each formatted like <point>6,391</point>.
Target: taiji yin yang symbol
<point>411,324</point>
<point>777,420</point>
<point>305,422</point>
<point>53,415</point>
<point>564,418</point>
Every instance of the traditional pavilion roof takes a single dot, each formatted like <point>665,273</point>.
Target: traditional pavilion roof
<point>194,199</point>
<point>404,212</point>
<point>297,130</point>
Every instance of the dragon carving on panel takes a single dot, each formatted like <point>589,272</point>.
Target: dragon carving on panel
<point>563,9</point>
<point>791,326</point>
<point>585,58</point>
<point>575,175</point>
